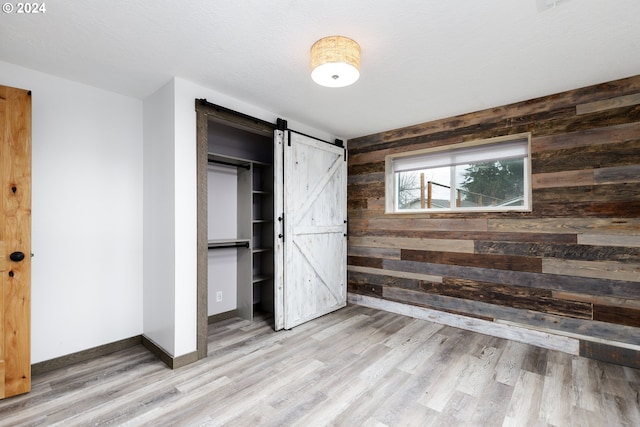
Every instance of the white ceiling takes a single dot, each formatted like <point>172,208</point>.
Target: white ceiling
<point>421,59</point>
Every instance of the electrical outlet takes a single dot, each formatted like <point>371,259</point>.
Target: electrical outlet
<point>219,296</point>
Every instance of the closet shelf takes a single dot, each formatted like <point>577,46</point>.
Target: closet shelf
<point>257,250</point>
<point>228,161</point>
<point>261,278</point>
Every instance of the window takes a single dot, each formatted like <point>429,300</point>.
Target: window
<point>488,175</point>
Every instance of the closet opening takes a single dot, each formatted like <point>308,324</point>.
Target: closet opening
<point>272,222</point>
<point>235,217</point>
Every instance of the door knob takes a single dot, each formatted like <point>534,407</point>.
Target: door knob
<point>16,256</point>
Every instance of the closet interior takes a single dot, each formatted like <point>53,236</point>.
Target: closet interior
<point>240,222</point>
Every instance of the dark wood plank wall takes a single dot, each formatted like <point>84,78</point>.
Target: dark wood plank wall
<point>569,267</point>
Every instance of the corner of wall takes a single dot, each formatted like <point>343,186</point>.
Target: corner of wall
<point>159,218</point>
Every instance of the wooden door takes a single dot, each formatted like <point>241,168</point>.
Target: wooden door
<point>15,238</point>
<point>314,243</point>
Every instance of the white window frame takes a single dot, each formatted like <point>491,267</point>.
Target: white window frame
<point>470,147</point>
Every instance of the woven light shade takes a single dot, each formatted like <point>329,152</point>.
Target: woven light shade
<point>335,61</point>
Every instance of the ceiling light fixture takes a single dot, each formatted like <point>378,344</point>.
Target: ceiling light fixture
<point>335,61</point>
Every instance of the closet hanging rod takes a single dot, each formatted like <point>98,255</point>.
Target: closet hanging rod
<point>231,245</point>
<point>222,162</point>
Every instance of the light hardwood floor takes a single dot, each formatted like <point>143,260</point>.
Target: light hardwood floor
<point>355,367</point>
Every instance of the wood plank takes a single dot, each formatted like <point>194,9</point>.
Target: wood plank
<point>373,252</point>
<point>364,289</point>
<point>620,315</point>
<point>364,214</point>
<point>607,226</point>
<point>500,262</point>
<point>366,178</point>
<point>606,193</point>
<point>585,138</point>
<point>364,191</point>
<point>366,168</point>
<point>510,362</point>
<point>403,223</point>
<point>594,269</point>
<point>619,209</point>
<point>364,407</point>
<point>610,354</point>
<point>446,384</point>
<point>569,238</point>
<point>631,240</point>
<point>535,361</point>
<point>525,402</point>
<point>489,410</point>
<point>365,157</point>
<point>571,178</point>
<point>376,204</point>
<point>625,153</point>
<point>586,395</point>
<point>570,252</point>
<point>553,410</point>
<point>364,261</point>
<point>462,246</point>
<point>583,285</point>
<point>400,274</point>
<point>617,174</point>
<point>597,299</point>
<point>607,104</point>
<point>384,279</point>
<point>353,204</point>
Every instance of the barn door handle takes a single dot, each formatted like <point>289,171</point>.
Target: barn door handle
<point>16,256</point>
<point>281,219</point>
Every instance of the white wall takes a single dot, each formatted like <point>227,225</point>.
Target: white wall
<point>159,304</point>
<point>222,221</point>
<point>87,214</point>
<point>223,277</point>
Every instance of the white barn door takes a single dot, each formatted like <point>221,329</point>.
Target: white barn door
<point>311,246</point>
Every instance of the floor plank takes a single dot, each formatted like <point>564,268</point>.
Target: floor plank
<point>356,367</point>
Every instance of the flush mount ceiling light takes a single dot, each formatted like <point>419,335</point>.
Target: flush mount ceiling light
<point>335,61</point>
